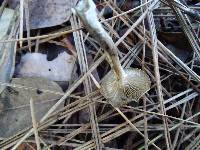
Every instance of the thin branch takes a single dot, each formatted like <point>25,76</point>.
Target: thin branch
<point>34,122</point>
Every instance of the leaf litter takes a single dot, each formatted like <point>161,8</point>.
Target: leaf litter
<point>47,111</point>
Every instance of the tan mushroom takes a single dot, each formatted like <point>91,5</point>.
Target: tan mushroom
<point>119,86</point>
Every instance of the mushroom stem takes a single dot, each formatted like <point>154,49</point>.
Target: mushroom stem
<point>86,10</point>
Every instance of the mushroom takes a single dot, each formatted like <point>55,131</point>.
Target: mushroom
<point>120,85</point>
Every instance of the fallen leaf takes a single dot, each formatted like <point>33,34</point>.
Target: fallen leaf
<point>47,13</point>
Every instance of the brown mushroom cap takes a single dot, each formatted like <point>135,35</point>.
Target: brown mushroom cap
<point>135,83</point>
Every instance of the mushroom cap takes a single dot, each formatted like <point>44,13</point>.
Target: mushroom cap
<point>135,84</point>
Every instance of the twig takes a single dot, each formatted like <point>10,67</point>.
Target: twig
<point>157,75</point>
<point>81,52</point>
<point>21,21</point>
<point>26,7</point>
<point>41,36</point>
<point>37,42</point>
<point>34,124</point>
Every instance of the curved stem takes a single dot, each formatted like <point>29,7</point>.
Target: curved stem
<point>86,10</point>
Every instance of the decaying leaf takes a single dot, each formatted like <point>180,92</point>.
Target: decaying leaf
<point>47,13</point>
<point>16,114</point>
<point>37,65</point>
